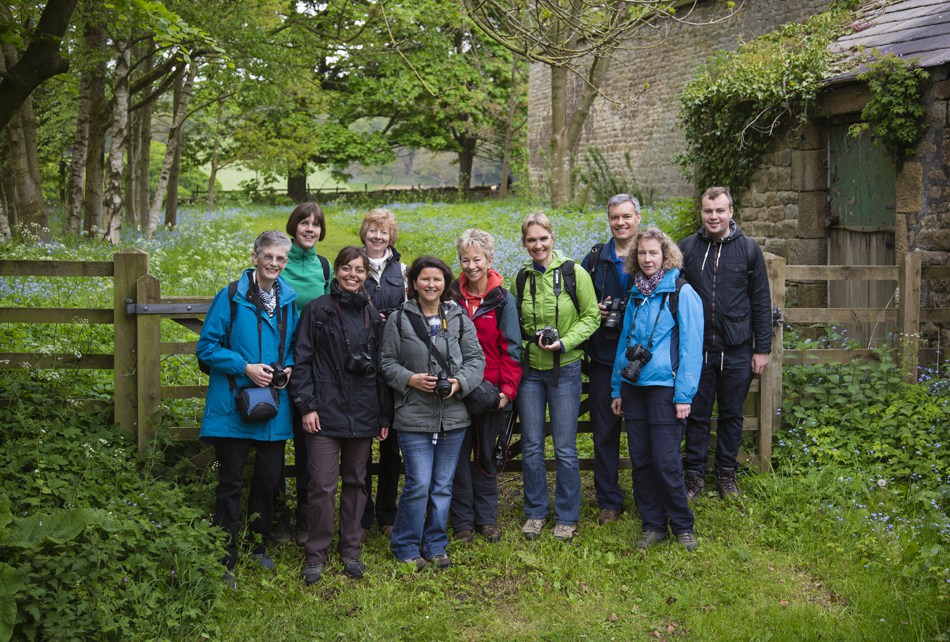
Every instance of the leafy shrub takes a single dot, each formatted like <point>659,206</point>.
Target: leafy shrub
<point>93,546</point>
<point>601,182</point>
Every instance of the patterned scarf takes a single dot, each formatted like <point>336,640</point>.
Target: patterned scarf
<point>269,299</point>
<point>648,285</point>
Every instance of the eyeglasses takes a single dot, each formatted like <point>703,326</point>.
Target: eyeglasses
<point>269,258</point>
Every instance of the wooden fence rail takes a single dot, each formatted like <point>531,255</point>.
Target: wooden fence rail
<point>139,308</point>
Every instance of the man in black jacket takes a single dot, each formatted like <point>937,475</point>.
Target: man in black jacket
<point>605,263</point>
<point>728,271</point>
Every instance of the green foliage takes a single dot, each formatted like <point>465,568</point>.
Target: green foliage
<point>893,114</point>
<point>733,106</point>
<point>93,546</point>
<point>601,182</point>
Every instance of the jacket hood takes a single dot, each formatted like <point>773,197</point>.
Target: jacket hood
<point>667,284</point>
<point>734,233</point>
<point>297,253</point>
<point>347,299</point>
<point>557,259</point>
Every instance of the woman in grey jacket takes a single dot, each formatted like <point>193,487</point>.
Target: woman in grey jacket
<point>430,418</point>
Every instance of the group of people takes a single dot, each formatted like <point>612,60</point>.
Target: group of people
<point>433,367</point>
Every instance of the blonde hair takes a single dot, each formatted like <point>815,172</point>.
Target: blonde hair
<point>379,217</point>
<point>536,218</point>
<point>672,257</point>
<point>474,238</point>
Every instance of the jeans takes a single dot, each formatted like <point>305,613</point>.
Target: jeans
<point>606,436</point>
<point>423,508</point>
<point>328,458</point>
<point>563,401</point>
<point>231,455</point>
<point>725,379</point>
<point>474,494</point>
<point>654,435</point>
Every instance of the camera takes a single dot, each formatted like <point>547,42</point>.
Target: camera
<point>442,385</point>
<point>361,363</point>
<point>614,318</point>
<point>548,335</point>
<point>279,380</point>
<point>637,356</point>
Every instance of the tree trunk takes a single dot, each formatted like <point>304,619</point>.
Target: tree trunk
<point>140,140</point>
<point>297,185</point>
<point>177,119</point>
<point>466,158</point>
<point>566,131</point>
<point>171,196</point>
<point>509,128</point>
<point>213,172</point>
<point>120,117</point>
<point>98,123</point>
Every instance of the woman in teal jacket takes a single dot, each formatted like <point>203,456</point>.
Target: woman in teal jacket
<point>242,352</point>
<point>656,373</point>
<point>552,300</point>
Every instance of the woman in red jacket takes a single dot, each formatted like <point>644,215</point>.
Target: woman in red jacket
<point>494,312</point>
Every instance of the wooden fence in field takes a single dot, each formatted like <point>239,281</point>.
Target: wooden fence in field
<point>139,308</point>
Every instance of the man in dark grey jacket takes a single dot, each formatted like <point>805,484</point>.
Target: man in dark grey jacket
<point>728,271</point>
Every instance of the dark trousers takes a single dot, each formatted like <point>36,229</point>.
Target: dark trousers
<point>387,484</point>
<point>231,456</point>
<point>725,380</point>
<point>328,458</point>
<point>606,428</point>
<point>654,436</point>
<point>302,479</point>
<point>474,494</point>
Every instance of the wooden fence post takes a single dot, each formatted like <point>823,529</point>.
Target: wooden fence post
<point>908,314</point>
<point>149,355</point>
<point>770,381</point>
<point>130,265</point>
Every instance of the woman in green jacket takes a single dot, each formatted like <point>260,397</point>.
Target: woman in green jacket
<point>559,312</point>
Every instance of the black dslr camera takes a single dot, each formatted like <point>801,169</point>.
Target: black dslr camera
<point>361,363</point>
<point>443,387</point>
<point>548,335</point>
<point>637,356</point>
<point>614,319</point>
<point>279,379</point>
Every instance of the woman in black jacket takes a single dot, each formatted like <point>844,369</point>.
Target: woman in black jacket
<point>343,403</point>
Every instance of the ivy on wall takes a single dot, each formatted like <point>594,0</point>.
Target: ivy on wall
<point>735,104</point>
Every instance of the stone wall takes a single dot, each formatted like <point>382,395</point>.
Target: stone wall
<point>643,87</point>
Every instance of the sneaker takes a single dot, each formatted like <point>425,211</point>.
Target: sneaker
<point>726,483</point>
<point>649,538</point>
<point>312,573</point>
<point>607,515</point>
<point>353,568</point>
<point>565,532</point>
<point>441,561</point>
<point>688,540</point>
<point>418,562</point>
<point>695,485</point>
<point>491,532</point>
<point>265,562</point>
<point>532,528</point>
<point>464,536</point>
<point>229,580</point>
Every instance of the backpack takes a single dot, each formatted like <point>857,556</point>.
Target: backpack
<point>232,305</point>
<point>325,264</point>
<point>566,271</point>
<point>594,255</point>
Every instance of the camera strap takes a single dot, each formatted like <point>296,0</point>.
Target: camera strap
<point>281,326</point>
<point>419,327</point>
<point>346,339</point>
<point>656,322</point>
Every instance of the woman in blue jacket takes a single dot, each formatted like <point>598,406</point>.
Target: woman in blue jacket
<point>248,350</point>
<point>656,373</point>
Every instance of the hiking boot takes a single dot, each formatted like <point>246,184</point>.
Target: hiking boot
<point>441,561</point>
<point>417,561</point>
<point>565,532</point>
<point>650,538</point>
<point>695,485</point>
<point>312,573</point>
<point>607,516</point>
<point>726,483</point>
<point>688,540</point>
<point>265,562</point>
<point>464,536</point>
<point>491,532</point>
<point>353,568</point>
<point>532,528</point>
